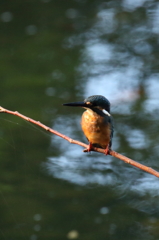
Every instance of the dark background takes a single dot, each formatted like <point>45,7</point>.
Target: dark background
<point>54,52</point>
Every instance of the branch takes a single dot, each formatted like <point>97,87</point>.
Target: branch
<point>111,152</point>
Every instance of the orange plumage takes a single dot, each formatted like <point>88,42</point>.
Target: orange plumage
<point>96,128</point>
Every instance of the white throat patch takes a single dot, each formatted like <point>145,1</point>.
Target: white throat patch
<point>105,112</point>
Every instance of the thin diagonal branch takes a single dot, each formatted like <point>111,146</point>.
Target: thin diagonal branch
<point>111,152</point>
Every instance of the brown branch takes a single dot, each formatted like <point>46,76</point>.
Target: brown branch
<point>111,152</point>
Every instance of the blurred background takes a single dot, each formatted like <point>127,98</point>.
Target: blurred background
<point>53,52</point>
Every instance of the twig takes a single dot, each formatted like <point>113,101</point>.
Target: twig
<point>111,152</point>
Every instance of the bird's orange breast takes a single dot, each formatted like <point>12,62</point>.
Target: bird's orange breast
<point>96,128</point>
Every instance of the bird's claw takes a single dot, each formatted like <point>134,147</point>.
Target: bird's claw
<point>89,149</point>
<point>107,150</point>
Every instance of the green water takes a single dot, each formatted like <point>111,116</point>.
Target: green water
<point>60,51</point>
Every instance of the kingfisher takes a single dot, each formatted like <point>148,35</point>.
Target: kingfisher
<point>96,122</point>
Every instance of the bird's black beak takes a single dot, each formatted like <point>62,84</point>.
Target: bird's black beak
<point>76,104</point>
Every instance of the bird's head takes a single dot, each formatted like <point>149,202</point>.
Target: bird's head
<point>93,102</point>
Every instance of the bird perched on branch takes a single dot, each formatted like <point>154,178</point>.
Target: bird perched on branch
<point>96,122</point>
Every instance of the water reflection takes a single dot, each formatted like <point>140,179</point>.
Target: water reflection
<point>118,75</point>
<point>81,171</point>
<point>128,5</point>
<point>86,170</point>
<point>137,139</point>
<point>62,52</point>
<point>74,165</point>
<point>92,168</point>
<point>6,17</point>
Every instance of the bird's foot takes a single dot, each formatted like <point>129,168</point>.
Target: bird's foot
<point>89,149</point>
<point>107,149</point>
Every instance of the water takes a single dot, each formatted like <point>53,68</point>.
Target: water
<point>57,52</point>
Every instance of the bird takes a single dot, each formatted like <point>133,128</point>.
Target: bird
<point>96,122</point>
